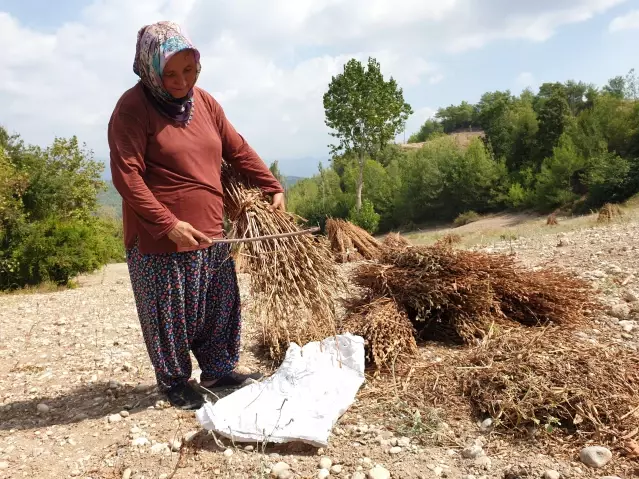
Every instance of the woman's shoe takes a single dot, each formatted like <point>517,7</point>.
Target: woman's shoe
<point>185,397</point>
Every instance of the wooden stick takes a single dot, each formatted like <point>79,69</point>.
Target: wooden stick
<point>315,229</point>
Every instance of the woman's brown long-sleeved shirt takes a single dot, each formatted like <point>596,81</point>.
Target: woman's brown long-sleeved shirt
<point>167,173</point>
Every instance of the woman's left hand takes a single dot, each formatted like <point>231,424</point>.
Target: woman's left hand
<point>278,202</point>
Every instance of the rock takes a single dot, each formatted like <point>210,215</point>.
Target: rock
<point>75,473</point>
<point>124,413</point>
<point>249,448</point>
<point>140,441</point>
<point>611,477</point>
<point>379,472</point>
<point>595,456</point>
<point>4,465</point>
<point>473,452</point>
<point>630,296</point>
<point>188,437</point>
<point>43,408</point>
<point>323,474</point>
<point>404,442</point>
<point>175,444</point>
<point>279,469</point>
<point>550,474</point>
<point>619,311</point>
<point>470,476</point>
<point>438,471</point>
<point>228,453</point>
<point>358,475</point>
<point>393,441</point>
<point>113,384</point>
<point>486,424</point>
<point>483,462</point>
<point>337,469</point>
<point>395,450</point>
<point>325,463</point>
<point>127,474</point>
<point>114,418</point>
<point>160,448</point>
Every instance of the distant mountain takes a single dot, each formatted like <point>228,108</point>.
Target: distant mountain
<point>111,203</point>
<point>289,181</point>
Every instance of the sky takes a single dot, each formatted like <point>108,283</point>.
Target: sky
<point>65,64</point>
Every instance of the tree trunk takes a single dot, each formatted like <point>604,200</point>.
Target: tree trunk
<point>360,183</point>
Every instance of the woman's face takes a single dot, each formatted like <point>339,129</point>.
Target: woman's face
<point>179,74</point>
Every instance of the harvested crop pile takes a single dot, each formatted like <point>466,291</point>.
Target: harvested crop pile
<point>458,295</point>
<point>609,212</point>
<point>294,278</point>
<point>449,240</point>
<point>395,241</point>
<point>388,331</point>
<point>551,378</point>
<point>350,242</point>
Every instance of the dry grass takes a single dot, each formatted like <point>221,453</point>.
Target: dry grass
<point>387,330</point>
<point>609,212</point>
<point>294,279</point>
<point>549,379</point>
<point>350,242</point>
<point>458,295</point>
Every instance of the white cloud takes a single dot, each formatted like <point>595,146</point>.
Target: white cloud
<point>268,62</point>
<point>629,21</point>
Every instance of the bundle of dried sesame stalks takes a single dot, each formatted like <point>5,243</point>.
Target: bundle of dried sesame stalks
<point>294,279</point>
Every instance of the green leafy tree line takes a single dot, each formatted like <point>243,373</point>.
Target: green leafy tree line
<point>569,145</point>
<point>50,229</point>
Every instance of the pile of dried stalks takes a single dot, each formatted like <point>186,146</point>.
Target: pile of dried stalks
<point>395,241</point>
<point>350,242</point>
<point>458,295</point>
<point>294,279</point>
<point>449,240</point>
<point>388,332</point>
<point>609,212</point>
<point>551,378</point>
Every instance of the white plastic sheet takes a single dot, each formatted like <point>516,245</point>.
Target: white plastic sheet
<point>302,401</point>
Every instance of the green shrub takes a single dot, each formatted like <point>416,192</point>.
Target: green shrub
<point>56,250</point>
<point>366,217</point>
<point>466,218</point>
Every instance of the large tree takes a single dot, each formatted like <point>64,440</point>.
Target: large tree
<point>365,113</point>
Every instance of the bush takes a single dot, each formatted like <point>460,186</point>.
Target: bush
<point>466,218</point>
<point>56,250</point>
<point>366,217</point>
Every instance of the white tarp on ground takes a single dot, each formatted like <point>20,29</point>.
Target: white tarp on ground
<point>302,401</point>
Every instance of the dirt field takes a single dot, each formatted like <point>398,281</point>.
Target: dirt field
<point>77,394</point>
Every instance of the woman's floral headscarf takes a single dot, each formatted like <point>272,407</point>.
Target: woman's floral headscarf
<point>155,45</point>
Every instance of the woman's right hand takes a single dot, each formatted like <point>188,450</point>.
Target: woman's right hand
<point>184,235</point>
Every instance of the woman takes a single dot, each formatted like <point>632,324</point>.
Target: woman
<point>167,139</point>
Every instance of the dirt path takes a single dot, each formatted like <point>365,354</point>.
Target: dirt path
<point>77,396</point>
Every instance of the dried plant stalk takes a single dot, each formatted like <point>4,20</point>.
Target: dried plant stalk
<point>609,212</point>
<point>396,241</point>
<point>294,279</point>
<point>350,242</point>
<point>460,294</point>
<point>553,379</point>
<point>388,332</point>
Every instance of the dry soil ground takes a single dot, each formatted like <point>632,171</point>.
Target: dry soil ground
<point>77,395</point>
